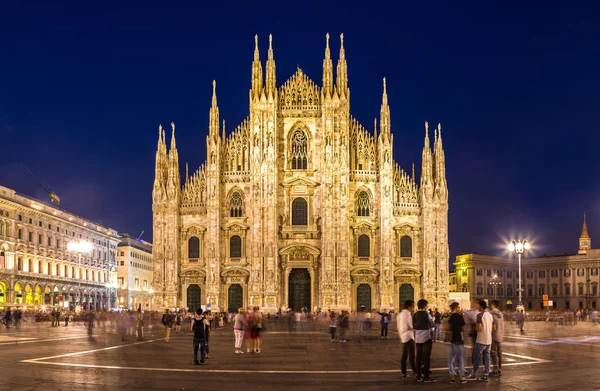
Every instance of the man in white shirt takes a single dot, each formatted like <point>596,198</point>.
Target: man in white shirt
<point>483,342</point>
<point>405,329</point>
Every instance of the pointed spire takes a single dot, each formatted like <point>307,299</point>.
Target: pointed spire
<point>413,172</point>
<point>271,86</point>
<point>385,114</point>
<point>173,144</point>
<point>213,125</point>
<point>426,163</point>
<point>584,229</point>
<point>257,73</point>
<point>327,70</point>
<point>440,165</point>
<point>342,71</point>
<point>187,173</point>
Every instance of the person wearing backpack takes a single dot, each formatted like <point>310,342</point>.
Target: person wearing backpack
<point>199,332</point>
<point>167,321</point>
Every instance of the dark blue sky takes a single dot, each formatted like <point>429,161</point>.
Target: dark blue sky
<point>516,88</point>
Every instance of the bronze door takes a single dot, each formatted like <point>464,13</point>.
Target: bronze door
<point>407,292</point>
<point>193,297</point>
<point>299,290</point>
<point>363,297</point>
<point>235,298</point>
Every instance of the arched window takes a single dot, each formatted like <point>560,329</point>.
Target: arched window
<point>406,247</point>
<point>299,212</point>
<point>235,247</point>
<point>299,145</point>
<point>364,246</point>
<point>363,204</point>
<point>19,263</point>
<point>236,205</point>
<point>479,291</point>
<point>40,267</point>
<point>30,266</point>
<point>72,272</point>
<point>194,247</point>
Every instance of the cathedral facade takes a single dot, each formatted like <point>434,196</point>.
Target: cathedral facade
<point>300,206</point>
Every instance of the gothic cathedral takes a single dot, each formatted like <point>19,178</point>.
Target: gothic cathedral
<point>300,207</point>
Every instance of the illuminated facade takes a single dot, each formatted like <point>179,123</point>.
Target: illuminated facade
<point>37,269</point>
<point>300,206</point>
<point>570,281</point>
<point>134,259</point>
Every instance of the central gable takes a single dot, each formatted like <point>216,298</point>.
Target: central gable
<point>299,92</point>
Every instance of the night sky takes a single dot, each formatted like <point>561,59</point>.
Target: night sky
<point>516,88</point>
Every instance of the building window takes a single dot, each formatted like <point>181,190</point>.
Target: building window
<point>20,218</point>
<point>594,271</point>
<point>509,291</point>
<point>490,291</point>
<point>554,291</point>
<point>554,273</point>
<point>137,283</point>
<point>299,145</point>
<point>594,290</point>
<point>364,246</point>
<point>580,272</point>
<point>235,247</point>
<point>567,290</point>
<point>145,284</point>
<point>479,291</point>
<point>499,273</point>
<point>567,273</point>
<point>121,282</point>
<point>500,291</point>
<point>236,205</point>
<point>65,270</point>
<point>567,304</point>
<point>30,236</point>
<point>194,247</point>
<point>406,246</point>
<point>122,263</point>
<point>479,271</point>
<point>299,212</point>
<point>529,292</point>
<point>19,263</point>
<point>509,273</point>
<point>19,233</point>
<point>580,289</point>
<point>529,275</point>
<point>57,271</point>
<point>40,267</point>
<point>57,243</point>
<point>542,274</point>
<point>488,272</point>
<point>363,204</point>
<point>541,291</point>
<point>72,272</point>
<point>49,241</point>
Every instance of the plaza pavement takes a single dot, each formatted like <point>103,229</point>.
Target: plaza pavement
<point>39,357</point>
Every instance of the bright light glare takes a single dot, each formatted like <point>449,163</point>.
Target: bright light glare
<point>519,246</point>
<point>495,276</point>
<point>79,247</point>
<point>511,246</point>
<point>527,245</point>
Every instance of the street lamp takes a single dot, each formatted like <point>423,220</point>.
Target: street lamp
<point>79,248</point>
<point>518,247</point>
<point>495,282</point>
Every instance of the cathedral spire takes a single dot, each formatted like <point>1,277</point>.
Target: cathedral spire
<point>213,125</point>
<point>342,71</point>
<point>327,70</point>
<point>384,121</point>
<point>271,86</point>
<point>161,160</point>
<point>173,181</point>
<point>426,164</point>
<point>440,165</point>
<point>585,242</point>
<point>257,73</point>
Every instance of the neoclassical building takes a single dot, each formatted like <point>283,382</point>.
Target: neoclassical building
<point>299,206</point>
<point>569,281</point>
<point>134,279</point>
<point>36,266</point>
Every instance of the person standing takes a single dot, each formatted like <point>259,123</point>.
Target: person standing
<point>423,324</point>
<point>332,325</point>
<point>386,319</point>
<point>239,322</point>
<point>456,349</point>
<point>207,331</point>
<point>497,337</point>
<point>405,329</point>
<point>167,321</point>
<point>437,319</point>
<point>520,320</point>
<point>483,343</point>
<point>67,316</point>
<point>139,324</point>
<point>199,330</point>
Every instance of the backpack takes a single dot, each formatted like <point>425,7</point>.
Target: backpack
<point>164,319</point>
<point>198,329</point>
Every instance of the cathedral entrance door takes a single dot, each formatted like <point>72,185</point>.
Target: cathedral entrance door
<point>407,292</point>
<point>363,297</point>
<point>299,290</point>
<point>193,297</point>
<point>235,298</point>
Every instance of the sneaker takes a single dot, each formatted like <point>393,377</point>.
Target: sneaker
<point>472,377</point>
<point>499,372</point>
<point>405,376</point>
<point>462,380</point>
<point>452,380</point>
<point>429,379</point>
<point>484,378</point>
<point>419,379</point>
<point>196,362</point>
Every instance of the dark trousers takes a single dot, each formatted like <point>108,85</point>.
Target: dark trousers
<point>207,337</point>
<point>423,358</point>
<point>332,331</point>
<point>199,343</point>
<point>384,329</point>
<point>497,355</point>
<point>408,352</point>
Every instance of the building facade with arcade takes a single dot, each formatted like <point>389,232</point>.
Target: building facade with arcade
<point>300,206</point>
<point>37,264</point>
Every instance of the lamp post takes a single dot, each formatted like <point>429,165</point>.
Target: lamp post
<point>495,282</point>
<point>518,247</point>
<point>79,248</point>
